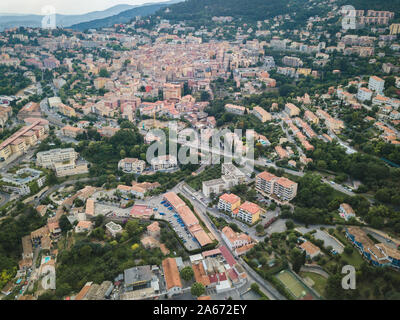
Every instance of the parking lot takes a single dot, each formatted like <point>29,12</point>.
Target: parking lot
<point>321,235</point>
<point>111,211</point>
<point>277,227</point>
<point>164,212</point>
<point>263,199</point>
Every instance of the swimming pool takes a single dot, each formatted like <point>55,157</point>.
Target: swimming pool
<point>46,259</point>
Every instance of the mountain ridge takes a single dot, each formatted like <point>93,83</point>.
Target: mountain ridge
<point>123,17</point>
<point>62,20</point>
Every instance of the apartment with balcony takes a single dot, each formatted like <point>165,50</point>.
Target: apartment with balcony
<point>228,202</point>
<point>248,212</point>
<point>132,165</point>
<point>269,184</point>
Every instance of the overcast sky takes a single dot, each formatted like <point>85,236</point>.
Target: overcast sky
<point>64,6</point>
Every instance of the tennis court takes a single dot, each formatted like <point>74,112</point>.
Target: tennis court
<point>292,284</point>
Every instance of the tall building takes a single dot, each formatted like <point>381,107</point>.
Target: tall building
<point>249,212</point>
<point>228,202</point>
<point>292,61</point>
<point>270,184</point>
<point>364,94</point>
<point>231,176</point>
<point>376,84</point>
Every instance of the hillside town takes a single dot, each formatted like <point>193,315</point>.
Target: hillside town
<point>85,214</point>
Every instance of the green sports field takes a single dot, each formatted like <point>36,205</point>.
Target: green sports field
<point>292,284</point>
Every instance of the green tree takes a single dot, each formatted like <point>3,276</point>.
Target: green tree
<point>298,258</point>
<point>187,273</point>
<point>104,73</point>
<point>197,289</point>
<point>64,224</point>
<point>259,228</point>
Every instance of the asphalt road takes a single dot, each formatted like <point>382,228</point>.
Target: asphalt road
<point>253,276</point>
<point>56,187</point>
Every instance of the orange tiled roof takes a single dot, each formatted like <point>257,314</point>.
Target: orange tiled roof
<point>250,207</point>
<point>171,273</point>
<point>230,198</point>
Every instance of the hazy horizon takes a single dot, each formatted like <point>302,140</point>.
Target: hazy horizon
<point>17,7</point>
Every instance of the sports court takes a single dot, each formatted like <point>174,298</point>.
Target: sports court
<point>294,286</point>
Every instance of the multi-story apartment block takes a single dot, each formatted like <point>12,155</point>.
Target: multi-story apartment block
<point>239,110</point>
<point>395,29</point>
<point>23,139</point>
<point>364,94</point>
<point>132,165</point>
<point>66,110</point>
<point>292,61</point>
<point>231,176</point>
<point>292,110</point>
<point>261,114</point>
<point>228,202</point>
<point>270,184</point>
<point>63,161</point>
<point>377,17</point>
<point>47,159</point>
<point>333,124</point>
<point>311,117</point>
<point>164,162</point>
<point>100,83</point>
<point>248,212</point>
<point>376,84</point>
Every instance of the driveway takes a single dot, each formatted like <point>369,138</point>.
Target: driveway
<point>324,236</point>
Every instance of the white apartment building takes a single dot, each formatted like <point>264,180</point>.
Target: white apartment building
<point>376,84</point>
<point>132,165</point>
<point>113,228</point>
<point>63,161</point>
<point>164,162</point>
<point>283,188</point>
<point>70,169</point>
<point>231,176</point>
<point>47,159</point>
<point>228,202</point>
<point>364,94</point>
